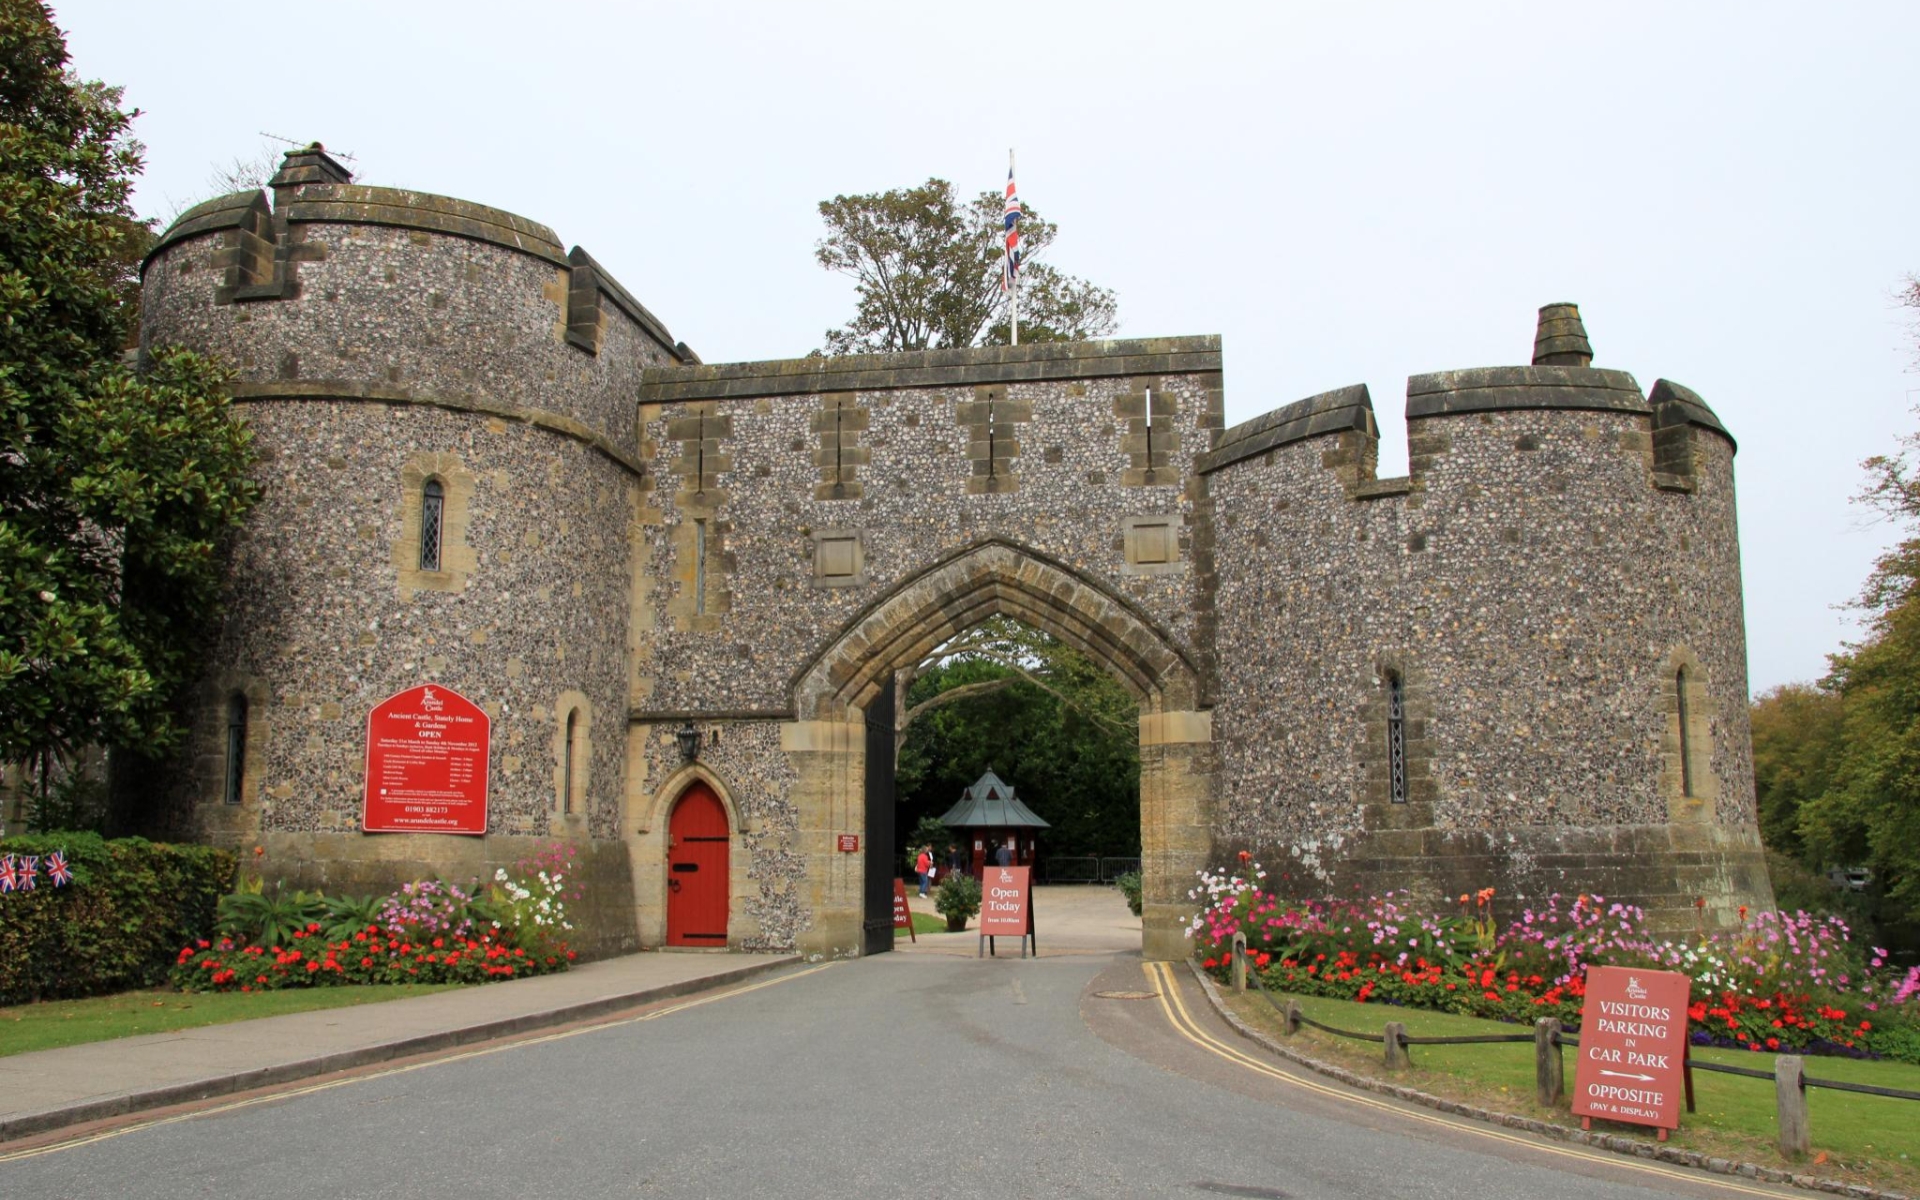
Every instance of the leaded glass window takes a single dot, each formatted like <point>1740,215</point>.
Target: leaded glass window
<point>1396,739</point>
<point>433,500</point>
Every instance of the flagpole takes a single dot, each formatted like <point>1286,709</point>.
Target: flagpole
<point>1013,278</point>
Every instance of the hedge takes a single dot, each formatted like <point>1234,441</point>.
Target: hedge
<point>120,923</point>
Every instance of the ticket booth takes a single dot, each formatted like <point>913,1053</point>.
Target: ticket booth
<point>990,816</point>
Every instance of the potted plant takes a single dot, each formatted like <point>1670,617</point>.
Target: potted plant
<point>957,898</point>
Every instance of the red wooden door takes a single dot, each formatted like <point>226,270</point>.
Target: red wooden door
<point>697,845</point>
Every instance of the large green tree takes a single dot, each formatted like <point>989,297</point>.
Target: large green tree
<point>1053,723</point>
<point>926,270</point>
<point>1870,812</point>
<point>116,487</point>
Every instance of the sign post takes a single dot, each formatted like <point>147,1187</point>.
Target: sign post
<point>1006,909</point>
<point>902,915</point>
<point>427,750</point>
<point>1633,1048</point>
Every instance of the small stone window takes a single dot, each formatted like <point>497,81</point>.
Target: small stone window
<point>429,551</point>
<point>236,772</point>
<point>1396,739</point>
<point>1686,748</point>
<point>433,502</point>
<point>572,760</point>
<point>568,777</point>
<point>1686,736</point>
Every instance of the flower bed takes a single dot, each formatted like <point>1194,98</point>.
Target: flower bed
<point>429,931</point>
<point>1779,982</point>
<point>372,955</point>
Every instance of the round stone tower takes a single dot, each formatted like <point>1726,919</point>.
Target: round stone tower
<point>442,398</point>
<point>1523,665</point>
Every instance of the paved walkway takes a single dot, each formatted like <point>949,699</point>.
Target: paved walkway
<point>1076,918</point>
<point>51,1089</point>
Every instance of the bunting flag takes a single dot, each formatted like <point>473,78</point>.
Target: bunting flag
<point>9,874</point>
<point>26,872</point>
<point>57,869</point>
<point>1010,265</point>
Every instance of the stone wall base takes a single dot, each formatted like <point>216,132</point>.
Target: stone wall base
<point>359,864</point>
<point>1686,877</point>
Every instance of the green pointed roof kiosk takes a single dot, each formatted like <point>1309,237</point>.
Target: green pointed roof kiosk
<point>991,817</point>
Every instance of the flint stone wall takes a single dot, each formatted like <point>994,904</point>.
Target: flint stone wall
<point>390,346</point>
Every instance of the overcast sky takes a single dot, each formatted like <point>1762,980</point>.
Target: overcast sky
<point>1346,192</point>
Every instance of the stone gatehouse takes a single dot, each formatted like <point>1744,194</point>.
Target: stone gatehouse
<point>488,466</point>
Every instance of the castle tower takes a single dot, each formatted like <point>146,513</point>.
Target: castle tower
<point>442,397</point>
<point>1523,665</point>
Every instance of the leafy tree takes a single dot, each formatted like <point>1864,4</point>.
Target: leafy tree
<point>1871,811</point>
<point>1797,741</point>
<point>926,267</point>
<point>116,489</point>
<point>1053,723</point>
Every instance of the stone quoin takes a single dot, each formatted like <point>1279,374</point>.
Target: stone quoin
<point>488,467</point>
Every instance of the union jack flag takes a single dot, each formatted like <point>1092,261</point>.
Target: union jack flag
<point>26,872</point>
<point>9,877</point>
<point>1010,265</point>
<point>57,869</point>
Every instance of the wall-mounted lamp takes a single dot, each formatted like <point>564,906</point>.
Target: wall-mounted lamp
<point>689,739</point>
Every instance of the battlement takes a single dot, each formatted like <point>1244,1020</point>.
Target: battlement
<point>261,242</point>
<point>1042,363</point>
<point>1559,380</point>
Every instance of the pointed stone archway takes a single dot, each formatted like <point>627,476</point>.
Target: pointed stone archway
<point>827,743</point>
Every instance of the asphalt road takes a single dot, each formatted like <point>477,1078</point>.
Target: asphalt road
<point>904,1075</point>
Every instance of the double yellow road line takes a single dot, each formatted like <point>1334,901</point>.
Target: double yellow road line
<point>1167,978</point>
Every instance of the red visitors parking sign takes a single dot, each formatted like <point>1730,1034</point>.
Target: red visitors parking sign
<point>426,763</point>
<point>1633,1047</point>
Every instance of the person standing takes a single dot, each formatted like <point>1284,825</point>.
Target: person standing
<point>921,866</point>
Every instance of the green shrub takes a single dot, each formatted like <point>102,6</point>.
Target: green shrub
<point>270,919</point>
<point>1129,885</point>
<point>131,906</point>
<point>958,896</point>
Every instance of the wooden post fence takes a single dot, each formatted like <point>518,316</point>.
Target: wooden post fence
<point>1549,1073</point>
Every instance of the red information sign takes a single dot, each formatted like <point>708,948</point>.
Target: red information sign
<point>902,915</point>
<point>1633,1046</point>
<point>426,763</point>
<point>848,843</point>
<point>1004,902</point>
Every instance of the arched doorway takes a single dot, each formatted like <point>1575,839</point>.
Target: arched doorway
<point>845,785</point>
<point>698,844</point>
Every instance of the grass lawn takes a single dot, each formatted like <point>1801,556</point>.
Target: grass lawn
<point>54,1023</point>
<point>925,923</point>
<point>1872,1139</point>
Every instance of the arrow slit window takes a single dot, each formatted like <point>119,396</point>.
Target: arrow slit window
<point>236,747</point>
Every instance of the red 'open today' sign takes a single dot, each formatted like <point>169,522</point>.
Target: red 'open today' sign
<point>1633,1046</point>
<point>426,763</point>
